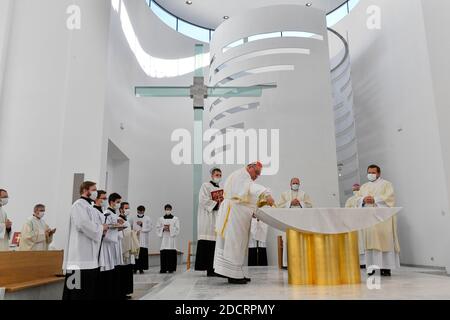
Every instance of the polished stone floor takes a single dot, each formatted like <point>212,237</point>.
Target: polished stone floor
<point>271,283</point>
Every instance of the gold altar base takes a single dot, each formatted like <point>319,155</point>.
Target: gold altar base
<point>323,259</point>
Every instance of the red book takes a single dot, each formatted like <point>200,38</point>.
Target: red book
<point>16,239</point>
<point>217,194</point>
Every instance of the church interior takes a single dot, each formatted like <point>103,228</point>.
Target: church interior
<point>224,150</point>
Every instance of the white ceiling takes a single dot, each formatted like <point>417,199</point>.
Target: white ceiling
<point>210,13</point>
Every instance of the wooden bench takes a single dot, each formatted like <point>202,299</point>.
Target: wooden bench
<point>20,270</point>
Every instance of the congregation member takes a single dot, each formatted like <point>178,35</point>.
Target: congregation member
<point>143,225</point>
<point>84,235</point>
<point>242,196</point>
<point>382,247</point>
<point>36,235</point>
<point>130,247</point>
<point>5,223</point>
<point>293,198</point>
<point>257,252</point>
<point>168,228</point>
<point>210,198</point>
<point>352,202</point>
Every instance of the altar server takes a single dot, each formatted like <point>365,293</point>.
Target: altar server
<point>352,202</point>
<point>143,225</point>
<point>130,247</point>
<point>242,197</point>
<point>381,241</point>
<point>5,223</point>
<point>168,228</point>
<point>210,198</point>
<point>257,252</point>
<point>84,235</point>
<point>36,235</point>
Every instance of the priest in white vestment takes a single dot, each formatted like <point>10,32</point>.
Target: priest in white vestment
<point>257,252</point>
<point>142,225</point>
<point>81,254</point>
<point>36,235</point>
<point>381,241</point>
<point>168,228</point>
<point>293,198</point>
<point>242,196</point>
<point>209,199</point>
<point>5,223</point>
<point>352,202</point>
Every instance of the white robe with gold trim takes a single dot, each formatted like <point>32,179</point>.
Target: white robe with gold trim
<point>32,236</point>
<point>241,198</point>
<point>352,202</point>
<point>381,241</point>
<point>285,202</point>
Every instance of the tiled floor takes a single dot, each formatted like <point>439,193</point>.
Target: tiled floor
<point>271,283</point>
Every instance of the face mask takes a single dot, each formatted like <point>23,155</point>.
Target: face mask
<point>127,212</point>
<point>217,180</point>
<point>93,195</point>
<point>168,212</point>
<point>117,206</point>
<point>3,201</point>
<point>372,177</point>
<point>105,203</point>
<point>41,214</point>
<point>355,193</point>
<point>295,187</point>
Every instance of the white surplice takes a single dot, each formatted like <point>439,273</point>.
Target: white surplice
<point>144,231</point>
<point>32,236</point>
<point>116,238</point>
<point>258,234</point>
<point>4,235</point>
<point>206,218</point>
<point>108,252</point>
<point>168,238</point>
<point>381,241</point>
<point>83,237</point>
<point>241,195</point>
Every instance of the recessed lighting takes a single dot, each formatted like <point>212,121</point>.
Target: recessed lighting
<point>309,4</point>
<point>226,17</point>
<point>189,2</point>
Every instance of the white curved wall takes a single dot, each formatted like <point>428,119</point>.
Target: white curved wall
<point>148,122</point>
<point>300,107</point>
<point>398,74</point>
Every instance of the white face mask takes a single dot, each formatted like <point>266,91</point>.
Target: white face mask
<point>372,177</point>
<point>3,201</point>
<point>105,203</point>
<point>168,212</point>
<point>127,212</point>
<point>40,214</point>
<point>295,187</point>
<point>93,195</point>
<point>117,206</point>
<point>217,180</point>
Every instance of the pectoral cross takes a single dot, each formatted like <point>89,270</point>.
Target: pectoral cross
<point>198,91</point>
